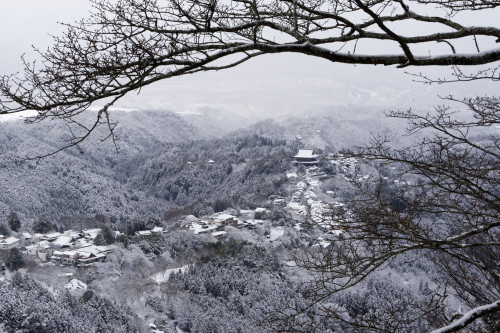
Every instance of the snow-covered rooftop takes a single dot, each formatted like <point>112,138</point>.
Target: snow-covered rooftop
<point>198,228</point>
<point>91,233</point>
<point>322,242</point>
<point>93,249</point>
<point>52,235</point>
<point>305,153</point>
<point>63,241</point>
<point>9,240</point>
<point>254,222</point>
<point>157,230</point>
<point>191,218</point>
<point>224,217</point>
<point>66,275</point>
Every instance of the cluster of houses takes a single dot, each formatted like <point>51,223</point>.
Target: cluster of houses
<point>81,257</point>
<point>154,231</point>
<point>70,248</point>
<point>305,202</point>
<point>346,165</point>
<point>78,249</point>
<point>216,223</point>
<point>325,215</point>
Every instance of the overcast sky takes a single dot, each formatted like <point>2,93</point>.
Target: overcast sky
<point>271,84</point>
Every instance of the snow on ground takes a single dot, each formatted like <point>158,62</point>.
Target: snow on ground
<point>164,276</point>
<point>276,233</point>
<point>322,242</point>
<point>75,285</point>
<point>363,178</point>
<point>296,206</point>
<point>301,185</point>
<point>314,182</point>
<point>336,232</point>
<point>178,329</point>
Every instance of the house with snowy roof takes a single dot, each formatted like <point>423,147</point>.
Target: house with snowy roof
<point>222,220</point>
<point>8,242</point>
<point>81,257</point>
<point>91,233</point>
<point>27,235</point>
<point>68,258</point>
<point>50,236</point>
<point>63,241</point>
<point>219,235</point>
<point>157,230</point>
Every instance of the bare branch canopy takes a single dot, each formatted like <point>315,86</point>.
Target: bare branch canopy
<point>127,44</point>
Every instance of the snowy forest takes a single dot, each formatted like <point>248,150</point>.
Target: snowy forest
<point>258,274</point>
<point>344,201</point>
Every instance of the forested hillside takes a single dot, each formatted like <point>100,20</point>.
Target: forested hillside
<point>162,162</point>
<point>188,232</point>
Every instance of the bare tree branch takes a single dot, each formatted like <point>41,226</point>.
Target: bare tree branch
<point>126,45</point>
<point>469,317</point>
<point>450,215</point>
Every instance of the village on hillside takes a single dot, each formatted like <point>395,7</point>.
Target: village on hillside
<point>67,248</point>
<point>305,205</point>
<point>312,206</point>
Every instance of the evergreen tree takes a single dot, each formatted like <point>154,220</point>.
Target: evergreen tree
<point>108,235</point>
<point>99,240</point>
<point>4,230</point>
<point>14,221</point>
<point>43,224</point>
<point>15,259</point>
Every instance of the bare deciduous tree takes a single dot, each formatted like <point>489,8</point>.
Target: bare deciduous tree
<point>128,44</point>
<point>450,216</point>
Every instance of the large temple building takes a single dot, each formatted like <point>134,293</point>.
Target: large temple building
<point>306,157</point>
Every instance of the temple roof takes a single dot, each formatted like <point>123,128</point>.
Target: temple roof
<point>305,153</point>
